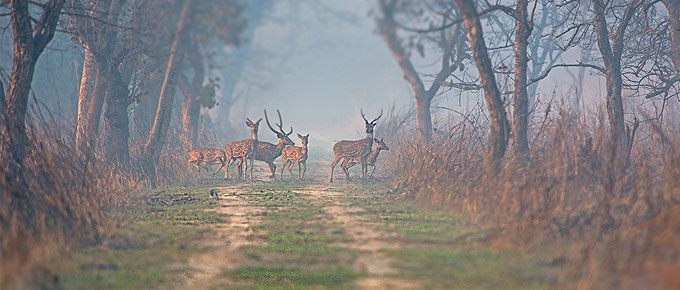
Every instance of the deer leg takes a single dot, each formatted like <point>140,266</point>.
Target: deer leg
<point>372,171</point>
<point>239,167</point>
<point>300,170</point>
<point>283,166</point>
<point>337,158</point>
<point>219,168</point>
<point>252,159</point>
<point>290,166</point>
<point>363,168</point>
<point>346,169</point>
<point>226,167</point>
<point>272,168</point>
<point>304,170</point>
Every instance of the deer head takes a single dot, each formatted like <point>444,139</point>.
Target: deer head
<point>370,125</point>
<point>304,139</point>
<point>281,134</point>
<point>253,125</point>
<point>381,145</point>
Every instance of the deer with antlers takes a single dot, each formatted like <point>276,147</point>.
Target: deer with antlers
<point>347,163</point>
<point>268,152</point>
<point>356,149</point>
<point>295,154</point>
<point>202,157</point>
<point>243,150</point>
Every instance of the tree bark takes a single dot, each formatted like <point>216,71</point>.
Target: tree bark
<point>611,56</point>
<point>521,104</point>
<point>499,122</point>
<point>101,44</point>
<point>159,130</point>
<point>29,43</point>
<point>191,108</point>
<point>423,116</point>
<point>117,120</point>
<point>86,88</point>
<point>673,7</point>
<point>423,97</point>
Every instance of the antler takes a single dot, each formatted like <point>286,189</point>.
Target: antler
<point>270,125</point>
<point>281,125</point>
<point>376,119</point>
<point>363,116</point>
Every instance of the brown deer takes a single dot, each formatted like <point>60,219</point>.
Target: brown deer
<point>355,149</point>
<point>203,156</point>
<point>268,152</point>
<point>242,150</point>
<point>295,154</point>
<point>347,163</point>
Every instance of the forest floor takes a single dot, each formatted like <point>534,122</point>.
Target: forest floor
<point>295,235</point>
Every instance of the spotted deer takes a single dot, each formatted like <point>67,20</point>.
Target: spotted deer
<point>347,163</point>
<point>295,154</point>
<point>243,150</point>
<point>268,152</point>
<point>202,157</point>
<point>355,149</point>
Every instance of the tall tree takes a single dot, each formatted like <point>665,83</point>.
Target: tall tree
<point>499,122</point>
<point>449,43</point>
<point>159,130</point>
<point>96,29</point>
<point>29,43</point>
<point>523,29</point>
<point>611,44</point>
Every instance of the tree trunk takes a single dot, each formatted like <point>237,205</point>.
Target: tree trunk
<point>159,130</point>
<point>191,108</point>
<point>673,7</point>
<point>521,104</point>
<point>28,46</point>
<point>611,57</point>
<point>102,46</point>
<point>87,80</point>
<point>388,31</point>
<point>116,119</point>
<point>499,122</point>
<point>424,118</point>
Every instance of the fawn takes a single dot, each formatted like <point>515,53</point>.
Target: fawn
<point>295,154</point>
<point>347,163</point>
<point>203,156</point>
<point>268,152</point>
<point>356,149</point>
<point>242,150</point>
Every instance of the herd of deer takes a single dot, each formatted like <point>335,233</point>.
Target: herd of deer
<point>350,152</point>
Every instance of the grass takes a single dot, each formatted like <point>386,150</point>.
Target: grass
<point>298,250</point>
<point>443,252</point>
<point>151,247</point>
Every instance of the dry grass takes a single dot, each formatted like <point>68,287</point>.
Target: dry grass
<point>67,199</point>
<point>620,218</point>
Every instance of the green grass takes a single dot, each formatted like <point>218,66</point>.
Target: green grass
<point>153,242</point>
<point>274,278</point>
<point>443,252</point>
<point>299,251</point>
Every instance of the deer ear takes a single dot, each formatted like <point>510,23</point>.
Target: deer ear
<point>248,123</point>
<point>258,121</point>
<point>307,135</point>
<point>299,136</point>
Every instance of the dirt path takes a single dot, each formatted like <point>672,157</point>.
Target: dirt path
<point>366,236</point>
<point>244,216</point>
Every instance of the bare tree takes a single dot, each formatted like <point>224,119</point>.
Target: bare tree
<point>159,130</point>
<point>448,42</point>
<point>29,43</point>
<point>99,41</point>
<point>499,122</point>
